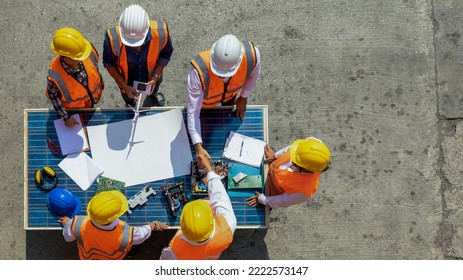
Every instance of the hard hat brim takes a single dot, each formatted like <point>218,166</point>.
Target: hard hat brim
<point>222,73</point>
<point>134,43</point>
<point>86,53</point>
<point>78,206</point>
<point>124,201</point>
<point>293,151</point>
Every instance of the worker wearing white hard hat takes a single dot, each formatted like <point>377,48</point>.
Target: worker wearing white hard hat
<point>136,51</point>
<point>225,75</point>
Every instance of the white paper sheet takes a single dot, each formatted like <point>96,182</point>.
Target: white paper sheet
<point>153,148</point>
<point>71,139</point>
<point>82,169</point>
<point>244,149</point>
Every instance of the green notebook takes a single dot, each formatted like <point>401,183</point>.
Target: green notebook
<point>250,182</point>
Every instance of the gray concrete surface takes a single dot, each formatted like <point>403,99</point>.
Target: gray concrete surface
<point>378,81</point>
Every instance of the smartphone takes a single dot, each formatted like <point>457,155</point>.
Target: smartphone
<point>240,176</point>
<point>143,88</point>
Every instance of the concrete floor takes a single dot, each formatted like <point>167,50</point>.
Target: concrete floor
<point>379,81</point>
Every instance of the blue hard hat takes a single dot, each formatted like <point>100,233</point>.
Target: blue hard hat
<point>63,202</point>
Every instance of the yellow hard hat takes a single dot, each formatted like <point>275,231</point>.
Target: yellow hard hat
<point>107,206</point>
<point>197,221</point>
<point>311,154</point>
<point>70,43</point>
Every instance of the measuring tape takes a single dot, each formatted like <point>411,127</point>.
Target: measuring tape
<point>46,178</point>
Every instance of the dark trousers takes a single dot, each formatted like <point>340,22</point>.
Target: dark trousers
<point>229,102</point>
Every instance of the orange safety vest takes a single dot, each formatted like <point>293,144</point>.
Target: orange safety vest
<point>213,86</point>
<point>97,244</point>
<point>207,251</point>
<point>283,181</point>
<point>160,37</point>
<point>73,93</point>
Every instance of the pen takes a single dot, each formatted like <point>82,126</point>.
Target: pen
<point>241,149</point>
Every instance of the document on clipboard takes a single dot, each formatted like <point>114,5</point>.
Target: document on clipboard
<point>244,149</point>
<point>71,139</point>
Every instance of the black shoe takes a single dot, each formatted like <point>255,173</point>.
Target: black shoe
<point>129,104</point>
<point>159,99</point>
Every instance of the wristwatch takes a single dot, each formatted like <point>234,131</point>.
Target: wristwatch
<point>155,227</point>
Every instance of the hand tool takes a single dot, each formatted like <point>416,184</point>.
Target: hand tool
<point>54,148</point>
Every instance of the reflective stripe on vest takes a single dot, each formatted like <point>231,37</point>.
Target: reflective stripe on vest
<point>283,181</point>
<point>213,86</point>
<point>202,71</point>
<point>210,250</point>
<point>122,232</point>
<point>115,41</point>
<point>158,32</point>
<point>67,84</point>
<point>251,63</point>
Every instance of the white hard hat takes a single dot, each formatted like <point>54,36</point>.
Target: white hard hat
<point>226,56</point>
<point>134,25</point>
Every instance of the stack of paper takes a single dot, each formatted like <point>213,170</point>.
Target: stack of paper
<point>82,169</point>
<point>244,149</point>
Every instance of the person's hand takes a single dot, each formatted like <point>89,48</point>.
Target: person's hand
<point>199,150</point>
<point>153,81</point>
<point>253,200</point>
<point>63,220</point>
<point>204,162</point>
<point>131,92</point>
<point>269,154</point>
<point>71,122</point>
<point>158,226</point>
<point>240,104</point>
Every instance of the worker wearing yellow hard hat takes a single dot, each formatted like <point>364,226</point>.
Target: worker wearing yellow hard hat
<point>294,173</point>
<point>101,235</point>
<point>206,227</point>
<point>74,80</point>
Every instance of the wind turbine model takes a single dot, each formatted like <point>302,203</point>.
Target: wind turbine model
<point>136,110</point>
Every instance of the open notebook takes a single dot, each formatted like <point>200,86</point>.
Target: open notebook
<point>71,139</point>
<point>244,149</point>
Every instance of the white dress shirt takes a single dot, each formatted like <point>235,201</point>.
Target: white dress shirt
<point>284,199</point>
<point>195,97</point>
<point>221,206</point>
<point>140,233</point>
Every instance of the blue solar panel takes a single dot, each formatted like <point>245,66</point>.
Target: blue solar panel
<point>216,124</point>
